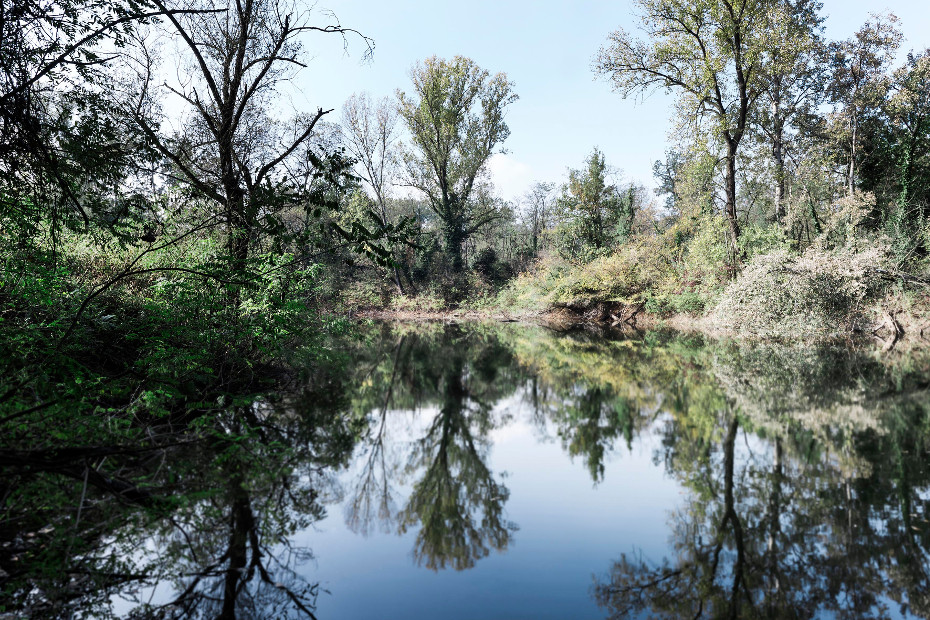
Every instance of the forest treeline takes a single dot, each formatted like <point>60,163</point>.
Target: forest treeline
<point>148,150</point>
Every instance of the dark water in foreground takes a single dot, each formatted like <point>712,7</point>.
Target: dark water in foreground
<point>506,471</point>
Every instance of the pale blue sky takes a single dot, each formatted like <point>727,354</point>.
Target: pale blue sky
<point>546,49</point>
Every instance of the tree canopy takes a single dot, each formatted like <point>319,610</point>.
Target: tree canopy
<point>455,117</point>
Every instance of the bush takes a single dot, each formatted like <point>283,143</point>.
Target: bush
<point>491,268</point>
<point>814,293</point>
<point>530,289</point>
<point>755,240</point>
<point>485,262</point>
<point>629,275</point>
<point>363,294</point>
<point>424,302</point>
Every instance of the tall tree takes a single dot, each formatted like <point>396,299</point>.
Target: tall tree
<point>860,80</point>
<point>908,109</point>
<point>369,130</point>
<point>711,53</point>
<point>538,210</point>
<point>793,82</point>
<point>455,117</point>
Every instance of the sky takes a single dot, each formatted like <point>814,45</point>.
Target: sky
<point>546,49</point>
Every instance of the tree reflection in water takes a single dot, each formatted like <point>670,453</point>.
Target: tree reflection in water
<point>227,550</point>
<point>793,458</point>
<point>791,514</point>
<point>456,505</point>
<point>205,531</point>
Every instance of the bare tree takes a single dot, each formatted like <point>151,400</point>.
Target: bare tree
<point>231,149</point>
<point>369,131</point>
<point>538,202</point>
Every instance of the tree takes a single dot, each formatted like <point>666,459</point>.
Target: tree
<point>859,80</point>
<point>668,173</point>
<point>456,121</point>
<point>711,53</point>
<point>231,151</point>
<point>538,206</point>
<point>593,214</point>
<point>369,130</point>
<point>792,76</point>
<point>908,109</point>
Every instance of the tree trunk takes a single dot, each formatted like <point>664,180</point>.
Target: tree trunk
<point>732,145</point>
<point>384,223</point>
<point>237,242</point>
<point>778,154</point>
<point>454,237</point>
<point>851,179</point>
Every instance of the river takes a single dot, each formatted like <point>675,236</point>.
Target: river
<point>443,470</point>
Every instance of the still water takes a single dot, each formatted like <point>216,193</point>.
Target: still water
<point>523,473</point>
<point>516,471</point>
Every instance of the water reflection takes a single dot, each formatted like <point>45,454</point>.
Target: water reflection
<point>804,466</point>
<point>197,523</point>
<point>805,474</point>
<point>225,551</point>
<point>806,493</point>
<point>456,505</point>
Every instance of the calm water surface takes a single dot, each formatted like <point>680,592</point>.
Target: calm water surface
<point>511,471</point>
<point>523,473</point>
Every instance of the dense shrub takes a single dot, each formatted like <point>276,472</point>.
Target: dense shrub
<point>781,294</point>
<point>626,276</point>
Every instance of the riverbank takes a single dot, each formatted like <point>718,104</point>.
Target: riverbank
<point>889,321</point>
<point>850,290</point>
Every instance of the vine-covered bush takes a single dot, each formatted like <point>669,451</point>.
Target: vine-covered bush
<point>781,293</point>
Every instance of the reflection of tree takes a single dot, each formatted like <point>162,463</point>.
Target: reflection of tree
<point>798,521</point>
<point>591,423</point>
<point>222,506</point>
<point>243,574</point>
<point>456,504</point>
<point>820,510</point>
<point>372,500</point>
<point>595,391</point>
<point>699,584</point>
<point>226,549</point>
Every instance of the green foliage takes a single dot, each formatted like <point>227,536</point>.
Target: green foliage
<point>456,121</point>
<point>758,239</point>
<point>625,276</point>
<point>708,250</point>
